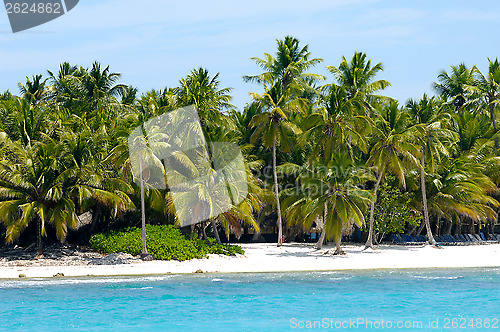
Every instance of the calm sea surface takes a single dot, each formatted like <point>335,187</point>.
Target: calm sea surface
<point>438,300</point>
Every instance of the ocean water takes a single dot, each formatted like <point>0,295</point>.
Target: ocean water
<point>412,300</point>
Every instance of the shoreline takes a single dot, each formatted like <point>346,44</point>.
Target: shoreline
<point>291,257</point>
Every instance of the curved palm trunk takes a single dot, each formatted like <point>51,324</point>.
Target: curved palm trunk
<point>369,241</point>
<point>203,231</point>
<point>276,193</point>
<point>214,228</point>
<point>321,240</point>
<point>424,200</point>
<point>338,248</point>
<point>143,216</point>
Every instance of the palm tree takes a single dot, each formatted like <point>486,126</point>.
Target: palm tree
<point>285,72</point>
<point>489,88</point>
<point>31,190</point>
<point>34,91</point>
<point>457,87</point>
<point>212,104</point>
<point>335,123</point>
<point>65,85</point>
<point>274,127</point>
<point>203,91</point>
<point>357,77</point>
<point>128,95</point>
<point>331,192</point>
<point>435,139</point>
<point>101,83</point>
<point>23,121</point>
<point>5,96</point>
<point>392,150</point>
<point>242,121</point>
<point>288,67</point>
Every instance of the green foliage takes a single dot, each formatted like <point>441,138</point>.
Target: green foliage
<point>64,151</point>
<point>393,212</point>
<point>165,242</point>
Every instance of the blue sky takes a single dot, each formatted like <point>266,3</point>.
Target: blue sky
<point>154,43</point>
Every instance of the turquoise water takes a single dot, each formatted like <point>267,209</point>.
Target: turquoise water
<point>446,299</point>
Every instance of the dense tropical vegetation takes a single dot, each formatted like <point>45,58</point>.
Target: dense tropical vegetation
<point>323,154</point>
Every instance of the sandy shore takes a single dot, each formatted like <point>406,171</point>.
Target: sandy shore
<point>291,257</point>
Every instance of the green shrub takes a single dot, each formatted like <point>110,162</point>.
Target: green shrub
<point>164,242</point>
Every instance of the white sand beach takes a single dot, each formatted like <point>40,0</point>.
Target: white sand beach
<point>266,257</point>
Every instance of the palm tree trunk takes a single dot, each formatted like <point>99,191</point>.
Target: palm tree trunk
<point>369,241</point>
<point>214,228</point>
<point>437,226</point>
<point>321,240</point>
<point>203,231</point>
<point>420,228</point>
<point>449,226</point>
<point>493,121</point>
<point>458,230</point>
<point>424,200</point>
<point>276,193</point>
<point>338,248</point>
<point>39,243</point>
<point>143,216</point>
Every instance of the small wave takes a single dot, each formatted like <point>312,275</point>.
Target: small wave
<point>437,277</point>
<point>216,280</point>
<point>77,281</point>
<point>326,272</point>
<point>339,278</point>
